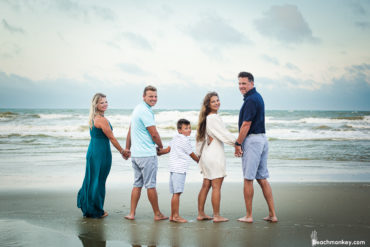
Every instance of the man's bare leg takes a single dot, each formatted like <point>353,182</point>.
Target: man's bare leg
<point>175,205</point>
<point>202,200</point>
<point>135,196</point>
<point>216,200</point>
<point>248,198</point>
<point>153,199</point>
<point>267,193</point>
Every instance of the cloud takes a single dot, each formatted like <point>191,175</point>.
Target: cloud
<point>21,92</point>
<point>360,72</point>
<point>292,67</point>
<point>113,45</point>
<point>286,24</point>
<point>342,94</point>
<point>137,40</point>
<point>216,31</point>
<point>72,8</point>
<point>15,5</point>
<point>132,69</point>
<point>269,59</point>
<point>11,28</point>
<point>362,24</point>
<point>182,77</point>
<point>104,13</point>
<point>357,8</point>
<point>9,50</point>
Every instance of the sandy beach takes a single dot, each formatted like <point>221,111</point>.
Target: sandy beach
<point>336,211</point>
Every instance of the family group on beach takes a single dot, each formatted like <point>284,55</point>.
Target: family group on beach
<point>143,145</point>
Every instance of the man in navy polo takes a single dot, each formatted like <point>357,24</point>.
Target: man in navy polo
<point>252,146</point>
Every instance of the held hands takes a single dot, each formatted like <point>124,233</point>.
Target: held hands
<point>238,151</point>
<point>126,154</point>
<point>161,151</point>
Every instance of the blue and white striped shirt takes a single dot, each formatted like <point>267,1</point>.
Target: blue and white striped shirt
<point>180,153</point>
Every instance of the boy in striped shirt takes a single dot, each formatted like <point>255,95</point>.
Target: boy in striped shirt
<point>181,151</point>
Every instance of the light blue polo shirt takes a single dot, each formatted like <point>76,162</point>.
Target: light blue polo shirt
<point>142,144</point>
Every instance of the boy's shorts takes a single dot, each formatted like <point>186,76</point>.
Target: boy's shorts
<point>254,160</point>
<point>177,182</point>
<point>145,169</point>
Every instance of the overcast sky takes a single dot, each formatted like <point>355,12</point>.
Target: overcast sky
<point>303,54</point>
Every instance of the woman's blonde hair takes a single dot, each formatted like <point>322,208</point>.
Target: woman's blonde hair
<point>93,109</point>
<point>204,111</point>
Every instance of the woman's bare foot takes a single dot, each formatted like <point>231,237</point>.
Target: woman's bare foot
<point>204,217</point>
<point>272,219</point>
<point>104,215</point>
<point>130,217</point>
<point>246,219</point>
<point>178,219</point>
<point>219,219</point>
<point>160,216</point>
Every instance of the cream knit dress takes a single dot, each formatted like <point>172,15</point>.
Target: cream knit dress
<point>212,161</point>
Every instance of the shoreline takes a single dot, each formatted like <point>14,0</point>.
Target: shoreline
<point>336,210</point>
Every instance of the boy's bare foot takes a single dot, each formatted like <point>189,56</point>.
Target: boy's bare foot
<point>130,217</point>
<point>104,215</point>
<point>272,219</point>
<point>246,219</point>
<point>160,217</point>
<point>204,217</point>
<point>219,219</point>
<point>178,219</point>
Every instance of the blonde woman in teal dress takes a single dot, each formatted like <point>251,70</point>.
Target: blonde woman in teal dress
<point>91,196</point>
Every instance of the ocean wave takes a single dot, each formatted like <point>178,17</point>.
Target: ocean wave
<point>362,158</point>
<point>58,116</point>
<point>319,135</point>
<point>351,118</point>
<point>311,120</point>
<point>167,130</point>
<point>8,114</point>
<point>171,117</point>
<point>322,127</point>
<point>28,135</point>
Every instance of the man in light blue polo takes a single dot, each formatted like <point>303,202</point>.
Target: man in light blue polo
<point>141,141</point>
<point>254,143</point>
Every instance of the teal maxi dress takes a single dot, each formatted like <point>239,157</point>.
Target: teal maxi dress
<point>91,196</point>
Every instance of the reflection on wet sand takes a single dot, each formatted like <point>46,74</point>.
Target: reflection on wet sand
<point>144,234</point>
<point>92,232</point>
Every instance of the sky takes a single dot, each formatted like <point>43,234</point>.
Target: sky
<point>304,55</point>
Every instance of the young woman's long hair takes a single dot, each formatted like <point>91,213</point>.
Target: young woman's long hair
<point>204,111</point>
<point>93,108</point>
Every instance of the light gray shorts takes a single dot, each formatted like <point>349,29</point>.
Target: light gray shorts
<point>145,169</point>
<point>177,182</point>
<point>254,160</point>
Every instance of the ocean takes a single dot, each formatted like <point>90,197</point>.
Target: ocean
<point>46,148</point>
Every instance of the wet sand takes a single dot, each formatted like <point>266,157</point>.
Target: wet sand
<point>336,211</point>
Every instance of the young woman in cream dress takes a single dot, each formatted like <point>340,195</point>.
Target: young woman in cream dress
<point>211,136</point>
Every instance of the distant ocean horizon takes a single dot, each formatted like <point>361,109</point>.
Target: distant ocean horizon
<point>47,147</point>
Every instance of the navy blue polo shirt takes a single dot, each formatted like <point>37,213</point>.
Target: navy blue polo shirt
<point>253,109</point>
